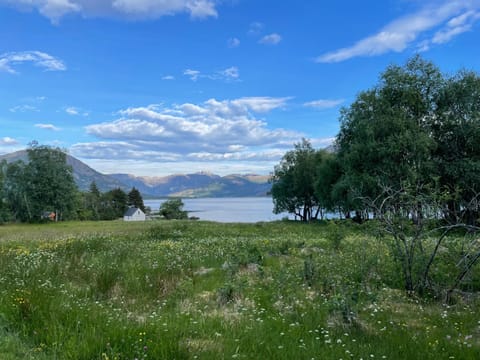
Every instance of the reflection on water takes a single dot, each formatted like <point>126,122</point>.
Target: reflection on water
<point>244,209</point>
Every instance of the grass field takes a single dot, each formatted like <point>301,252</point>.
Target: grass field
<point>200,290</point>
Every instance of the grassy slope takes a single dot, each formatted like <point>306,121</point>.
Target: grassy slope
<point>186,290</point>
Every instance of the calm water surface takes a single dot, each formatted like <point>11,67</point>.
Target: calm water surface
<point>244,209</point>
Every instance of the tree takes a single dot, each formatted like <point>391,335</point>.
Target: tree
<point>45,183</point>
<point>456,131</point>
<point>173,209</point>
<point>293,182</point>
<point>332,194</point>
<point>92,202</point>
<point>14,187</point>
<point>417,128</point>
<point>417,244</point>
<point>113,204</point>
<point>409,153</point>
<point>135,199</point>
<point>4,211</point>
<point>385,139</point>
<point>49,183</point>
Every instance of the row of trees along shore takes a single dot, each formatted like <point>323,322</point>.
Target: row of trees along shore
<point>31,191</point>
<point>409,145</point>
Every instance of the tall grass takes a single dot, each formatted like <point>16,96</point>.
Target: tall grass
<point>200,290</point>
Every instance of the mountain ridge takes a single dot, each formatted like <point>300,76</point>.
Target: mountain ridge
<point>201,184</point>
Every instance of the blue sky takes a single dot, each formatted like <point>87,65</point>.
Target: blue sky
<point>155,87</point>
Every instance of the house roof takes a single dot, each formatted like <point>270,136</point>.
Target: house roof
<point>131,211</point>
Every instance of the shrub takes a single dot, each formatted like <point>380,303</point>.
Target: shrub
<point>173,209</point>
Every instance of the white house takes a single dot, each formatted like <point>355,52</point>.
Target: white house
<point>134,214</point>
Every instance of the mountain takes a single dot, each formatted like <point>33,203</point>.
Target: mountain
<point>191,185</point>
<point>82,173</point>
<point>198,185</point>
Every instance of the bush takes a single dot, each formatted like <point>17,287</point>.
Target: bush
<point>173,209</point>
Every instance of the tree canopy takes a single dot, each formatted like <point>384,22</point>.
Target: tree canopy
<point>44,184</point>
<point>416,129</point>
<point>135,199</point>
<point>293,182</point>
<point>173,209</point>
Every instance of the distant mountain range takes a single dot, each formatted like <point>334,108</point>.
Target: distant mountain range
<point>190,185</point>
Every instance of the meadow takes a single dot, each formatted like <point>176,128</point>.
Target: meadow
<point>202,290</point>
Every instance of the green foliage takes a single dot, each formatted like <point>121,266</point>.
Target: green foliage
<point>135,199</point>
<point>457,134</point>
<point>335,235</point>
<point>384,140</point>
<point>416,128</point>
<point>329,172</point>
<point>98,290</point>
<point>4,210</point>
<point>44,184</point>
<point>173,209</point>
<point>113,204</point>
<point>308,270</point>
<point>226,294</point>
<point>293,182</point>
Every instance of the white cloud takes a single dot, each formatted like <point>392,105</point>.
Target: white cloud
<point>324,103</point>
<point>233,42</point>
<point>201,8</point>
<point>271,39</point>
<point>132,9</point>
<point>47,127</point>
<point>456,26</point>
<point>229,74</point>
<point>193,74</point>
<point>55,9</point>
<point>168,77</point>
<point>261,104</point>
<point>255,28</point>
<point>211,131</point>
<point>8,141</point>
<point>155,8</point>
<point>72,110</point>
<point>446,35</point>
<point>448,19</point>
<point>38,58</point>
<point>23,108</point>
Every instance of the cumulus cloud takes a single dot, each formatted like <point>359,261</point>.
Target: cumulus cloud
<point>439,23</point>
<point>271,39</point>
<point>48,62</point>
<point>130,9</point>
<point>8,141</point>
<point>324,103</point>
<point>211,131</point>
<point>47,127</point>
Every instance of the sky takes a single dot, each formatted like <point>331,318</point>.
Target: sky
<point>159,87</point>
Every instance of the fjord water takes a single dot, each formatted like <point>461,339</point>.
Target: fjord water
<point>239,209</point>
